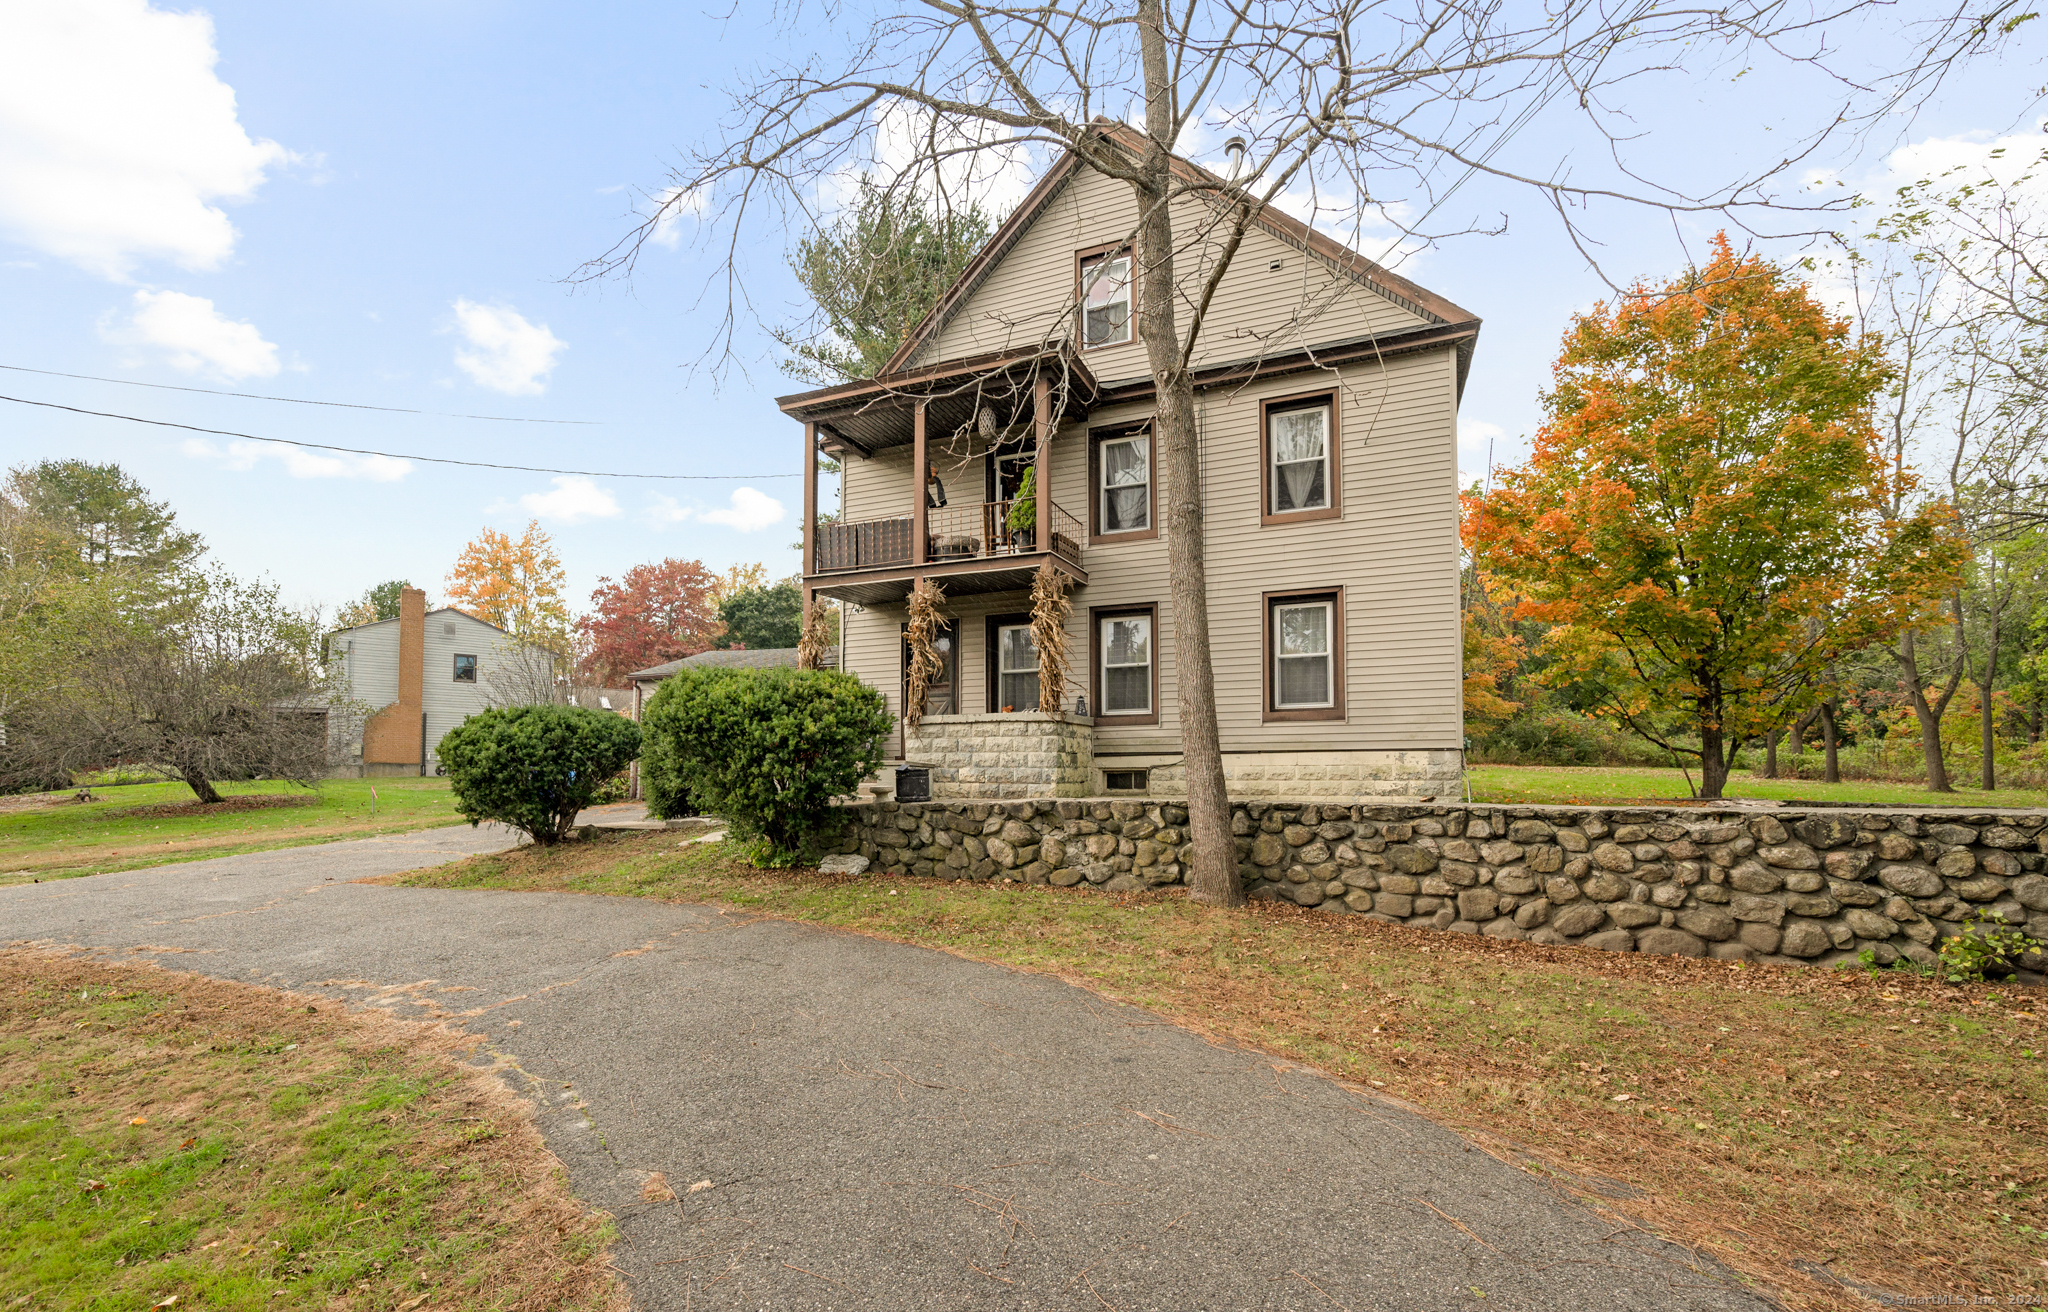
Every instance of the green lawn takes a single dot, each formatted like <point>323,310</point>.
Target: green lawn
<point>1597,784</point>
<point>168,1141</point>
<point>1777,1117</point>
<point>54,838</point>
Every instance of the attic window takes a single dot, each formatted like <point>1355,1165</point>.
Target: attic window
<point>1106,298</point>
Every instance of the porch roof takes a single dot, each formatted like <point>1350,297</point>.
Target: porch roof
<point>873,414</point>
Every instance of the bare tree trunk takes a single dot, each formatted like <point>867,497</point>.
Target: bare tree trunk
<point>1771,754</point>
<point>1987,727</point>
<point>1713,763</point>
<point>1928,714</point>
<point>1829,740</point>
<point>201,786</point>
<point>1212,873</point>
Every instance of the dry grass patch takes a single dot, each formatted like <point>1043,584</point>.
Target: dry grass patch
<point>168,1140</point>
<point>1808,1127</point>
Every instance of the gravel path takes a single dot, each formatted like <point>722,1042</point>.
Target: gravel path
<point>848,1123</point>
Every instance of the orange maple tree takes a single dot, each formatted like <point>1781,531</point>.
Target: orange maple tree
<point>1704,516</point>
<point>516,584</point>
<point>656,613</point>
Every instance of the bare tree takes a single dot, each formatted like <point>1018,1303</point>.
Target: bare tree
<point>1348,100</point>
<point>220,681</point>
<point>518,674</point>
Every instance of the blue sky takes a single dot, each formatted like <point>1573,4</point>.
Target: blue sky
<point>377,203</point>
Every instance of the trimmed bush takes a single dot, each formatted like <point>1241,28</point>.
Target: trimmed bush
<point>535,767</point>
<point>768,749</point>
<point>661,781</point>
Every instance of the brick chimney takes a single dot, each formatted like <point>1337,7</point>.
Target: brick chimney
<point>412,648</point>
<point>396,734</point>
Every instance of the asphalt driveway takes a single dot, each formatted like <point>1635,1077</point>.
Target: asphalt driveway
<point>849,1123</point>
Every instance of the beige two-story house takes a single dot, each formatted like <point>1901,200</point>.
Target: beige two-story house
<point>1327,400</point>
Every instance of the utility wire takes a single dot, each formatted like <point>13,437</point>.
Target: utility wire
<point>388,455</point>
<point>258,396</point>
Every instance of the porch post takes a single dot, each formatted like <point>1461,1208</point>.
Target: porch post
<point>1041,419</point>
<point>920,463</point>
<point>810,549</point>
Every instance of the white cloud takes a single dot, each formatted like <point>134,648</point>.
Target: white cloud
<point>749,512</point>
<point>507,353</point>
<point>117,141</point>
<point>666,510</point>
<point>197,337</point>
<point>572,500</point>
<point>298,462</point>
<point>691,204</point>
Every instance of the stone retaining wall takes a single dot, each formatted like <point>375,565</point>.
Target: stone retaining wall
<point>1784,885</point>
<point>1022,754</point>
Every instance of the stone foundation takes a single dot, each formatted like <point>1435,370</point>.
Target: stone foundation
<point>1788,886</point>
<point>1022,754</point>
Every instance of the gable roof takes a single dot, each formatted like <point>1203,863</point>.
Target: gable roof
<point>1413,297</point>
<point>444,610</point>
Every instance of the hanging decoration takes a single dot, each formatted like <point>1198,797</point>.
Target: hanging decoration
<point>1049,608</point>
<point>922,635</point>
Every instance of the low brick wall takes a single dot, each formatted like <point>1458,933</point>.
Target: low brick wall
<point>1784,885</point>
<point>1023,754</point>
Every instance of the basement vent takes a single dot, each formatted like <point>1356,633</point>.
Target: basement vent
<point>1124,781</point>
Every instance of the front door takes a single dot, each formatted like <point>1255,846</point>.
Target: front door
<point>941,694</point>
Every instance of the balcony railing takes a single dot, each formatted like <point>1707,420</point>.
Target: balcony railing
<point>976,531</point>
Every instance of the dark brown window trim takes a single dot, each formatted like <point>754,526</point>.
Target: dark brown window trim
<point>1267,603</point>
<point>1096,437</point>
<point>1300,401</point>
<point>457,669</point>
<point>1096,615</point>
<point>1081,257</point>
<point>992,662</point>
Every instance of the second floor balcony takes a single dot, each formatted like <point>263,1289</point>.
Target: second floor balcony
<point>986,546</point>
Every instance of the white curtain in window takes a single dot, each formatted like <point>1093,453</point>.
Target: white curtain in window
<point>1126,485</point>
<point>1106,286</point>
<point>1127,665</point>
<point>1300,441</point>
<point>1302,655</point>
<point>1017,668</point>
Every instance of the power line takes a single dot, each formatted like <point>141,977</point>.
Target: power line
<point>294,400</point>
<point>388,455</point>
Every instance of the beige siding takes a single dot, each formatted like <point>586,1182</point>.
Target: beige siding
<point>1029,296</point>
<point>446,702</point>
<point>1393,552</point>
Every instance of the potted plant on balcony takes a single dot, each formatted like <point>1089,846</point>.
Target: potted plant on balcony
<point>1022,521</point>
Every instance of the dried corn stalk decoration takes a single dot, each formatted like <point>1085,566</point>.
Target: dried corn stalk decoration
<point>1049,607</point>
<point>810,642</point>
<point>922,634</point>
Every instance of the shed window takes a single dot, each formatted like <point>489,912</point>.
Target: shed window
<point>1106,299</point>
<point>1017,668</point>
<point>465,669</point>
<point>1127,665</point>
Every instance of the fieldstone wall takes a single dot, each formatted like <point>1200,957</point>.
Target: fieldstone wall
<point>1022,754</point>
<point>1784,886</point>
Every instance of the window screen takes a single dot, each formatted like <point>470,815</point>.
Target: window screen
<point>1125,465</point>
<point>1016,668</point>
<point>1127,665</point>
<point>1301,655</point>
<point>1106,300</point>
<point>1299,443</point>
